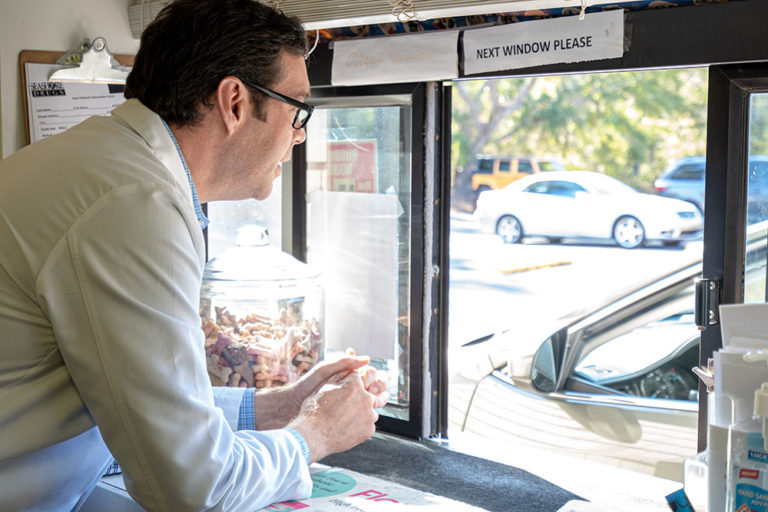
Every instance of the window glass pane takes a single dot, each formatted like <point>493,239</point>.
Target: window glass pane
<point>545,165</point>
<point>663,341</point>
<point>565,189</point>
<point>539,188</point>
<point>358,234</point>
<point>485,166</point>
<point>525,167</point>
<point>688,172</point>
<point>573,287</point>
<point>504,165</point>
<point>755,290</point>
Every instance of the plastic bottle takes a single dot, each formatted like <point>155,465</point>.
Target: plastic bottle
<point>747,485</point>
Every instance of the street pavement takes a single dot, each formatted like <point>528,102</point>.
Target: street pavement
<point>496,286</point>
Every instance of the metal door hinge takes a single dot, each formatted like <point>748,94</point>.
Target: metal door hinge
<point>707,303</point>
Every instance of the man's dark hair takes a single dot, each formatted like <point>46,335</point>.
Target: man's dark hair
<point>193,44</point>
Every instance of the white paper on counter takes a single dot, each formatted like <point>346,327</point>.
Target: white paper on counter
<point>337,489</point>
<point>536,43</point>
<point>53,107</point>
<point>397,59</point>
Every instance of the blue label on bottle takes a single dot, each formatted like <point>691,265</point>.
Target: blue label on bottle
<point>757,456</point>
<point>751,498</point>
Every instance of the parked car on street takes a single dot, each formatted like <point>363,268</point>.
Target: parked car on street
<point>613,384</point>
<point>571,204</point>
<point>684,179</point>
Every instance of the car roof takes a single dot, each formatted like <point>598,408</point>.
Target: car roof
<point>518,157</point>
<point>702,158</point>
<point>698,158</point>
<point>562,175</point>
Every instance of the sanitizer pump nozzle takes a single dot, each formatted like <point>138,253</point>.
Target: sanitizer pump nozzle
<point>761,409</point>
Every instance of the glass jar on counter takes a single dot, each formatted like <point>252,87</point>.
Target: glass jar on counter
<point>262,313</point>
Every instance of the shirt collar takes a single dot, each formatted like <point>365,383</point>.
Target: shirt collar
<point>201,218</point>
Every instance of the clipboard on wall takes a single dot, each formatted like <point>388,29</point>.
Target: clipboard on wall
<point>52,107</point>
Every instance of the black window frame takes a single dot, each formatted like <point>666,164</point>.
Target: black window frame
<point>684,33</point>
<point>427,369</point>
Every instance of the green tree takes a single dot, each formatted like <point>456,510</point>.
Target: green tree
<point>627,124</point>
<point>758,124</point>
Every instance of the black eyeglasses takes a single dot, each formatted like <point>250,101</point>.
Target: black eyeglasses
<point>303,113</point>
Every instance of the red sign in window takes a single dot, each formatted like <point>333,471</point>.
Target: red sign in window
<point>352,166</point>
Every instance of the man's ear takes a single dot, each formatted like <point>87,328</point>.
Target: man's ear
<point>232,102</point>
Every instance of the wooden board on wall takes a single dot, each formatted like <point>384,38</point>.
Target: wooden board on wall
<point>46,57</point>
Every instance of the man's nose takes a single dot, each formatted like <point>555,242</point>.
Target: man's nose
<point>299,135</point>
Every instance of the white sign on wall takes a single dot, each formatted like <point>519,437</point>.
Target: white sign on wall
<point>535,43</point>
<point>410,58</point>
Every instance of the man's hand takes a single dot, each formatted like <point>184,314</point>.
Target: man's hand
<point>338,416</point>
<point>275,408</point>
<point>374,385</point>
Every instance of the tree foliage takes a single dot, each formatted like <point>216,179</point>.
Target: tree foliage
<point>628,124</point>
<point>758,124</point>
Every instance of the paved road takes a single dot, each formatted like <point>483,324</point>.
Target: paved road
<point>497,286</point>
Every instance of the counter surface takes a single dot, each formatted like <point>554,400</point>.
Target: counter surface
<point>424,465</point>
<point>429,467</point>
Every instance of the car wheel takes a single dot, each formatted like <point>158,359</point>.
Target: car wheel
<point>628,232</point>
<point>509,229</point>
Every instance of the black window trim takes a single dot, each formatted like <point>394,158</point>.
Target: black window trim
<point>685,34</point>
<point>419,423</point>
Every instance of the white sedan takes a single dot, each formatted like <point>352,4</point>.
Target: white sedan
<point>571,204</point>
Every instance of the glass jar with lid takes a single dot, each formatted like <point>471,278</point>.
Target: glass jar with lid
<point>262,313</point>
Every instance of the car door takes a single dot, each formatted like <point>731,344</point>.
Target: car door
<point>619,380</point>
<point>504,174</point>
<point>590,213</point>
<point>550,207</point>
<point>687,182</point>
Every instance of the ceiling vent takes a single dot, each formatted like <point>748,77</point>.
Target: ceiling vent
<point>142,12</point>
<point>346,13</point>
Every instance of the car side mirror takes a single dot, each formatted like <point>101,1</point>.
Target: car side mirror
<point>545,365</point>
<point>544,368</point>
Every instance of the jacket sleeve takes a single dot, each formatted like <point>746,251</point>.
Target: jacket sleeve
<point>230,401</point>
<point>121,290</point>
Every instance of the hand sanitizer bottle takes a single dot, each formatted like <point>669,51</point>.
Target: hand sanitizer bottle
<point>747,485</point>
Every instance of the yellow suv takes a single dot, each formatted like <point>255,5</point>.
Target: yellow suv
<point>493,172</point>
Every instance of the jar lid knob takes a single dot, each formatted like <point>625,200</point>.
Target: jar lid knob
<point>251,235</point>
